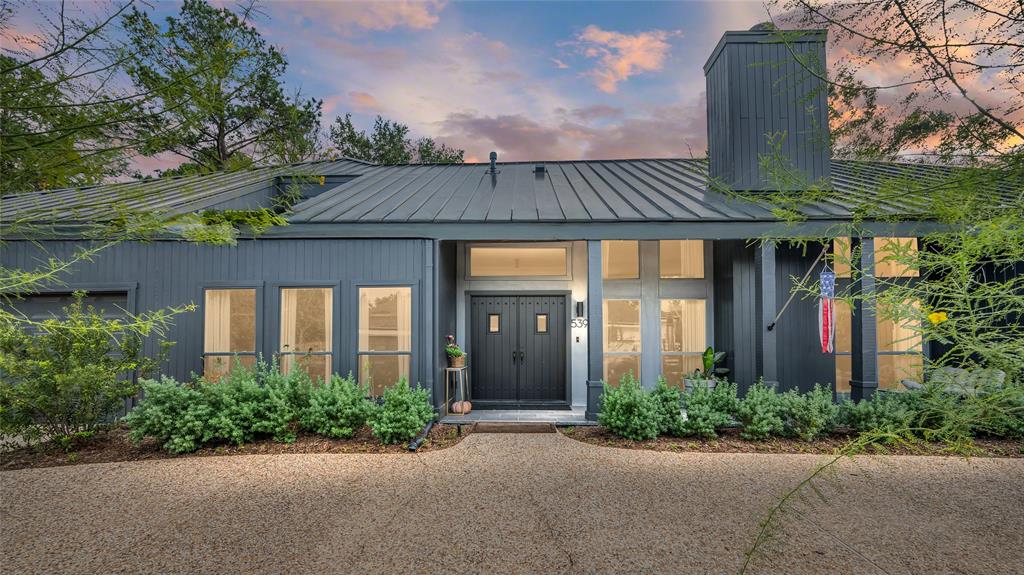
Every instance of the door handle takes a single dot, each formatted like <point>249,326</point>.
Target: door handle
<point>522,356</point>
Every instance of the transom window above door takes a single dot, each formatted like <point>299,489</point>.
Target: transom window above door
<point>518,260</point>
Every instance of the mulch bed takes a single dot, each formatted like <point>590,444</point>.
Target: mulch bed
<point>731,442</point>
<point>114,445</point>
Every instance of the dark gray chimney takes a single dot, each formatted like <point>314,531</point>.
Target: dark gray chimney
<point>766,99</point>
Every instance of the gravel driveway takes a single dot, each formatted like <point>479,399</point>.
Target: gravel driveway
<point>508,504</point>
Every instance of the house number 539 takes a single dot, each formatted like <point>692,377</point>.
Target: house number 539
<point>579,322</point>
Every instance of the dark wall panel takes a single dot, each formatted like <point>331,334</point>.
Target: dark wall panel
<point>735,312</point>
<point>801,362</point>
<point>170,273</point>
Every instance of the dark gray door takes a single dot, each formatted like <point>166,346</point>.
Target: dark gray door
<point>518,351</point>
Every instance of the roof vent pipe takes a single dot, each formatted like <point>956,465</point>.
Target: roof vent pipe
<point>494,162</point>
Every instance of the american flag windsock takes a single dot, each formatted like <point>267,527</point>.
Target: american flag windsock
<point>827,311</point>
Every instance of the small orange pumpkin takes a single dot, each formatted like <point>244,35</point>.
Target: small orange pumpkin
<point>462,407</point>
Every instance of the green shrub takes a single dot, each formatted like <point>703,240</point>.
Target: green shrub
<point>402,414</point>
<point>809,415</point>
<point>627,411</point>
<point>338,408</point>
<point>667,402</point>
<point>760,413</point>
<point>175,414</point>
<point>68,376</point>
<point>882,412</point>
<point>709,410</point>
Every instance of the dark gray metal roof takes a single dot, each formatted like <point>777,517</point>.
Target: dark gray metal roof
<point>589,191</point>
<point>165,195</point>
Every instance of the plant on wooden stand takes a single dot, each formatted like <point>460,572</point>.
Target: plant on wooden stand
<point>456,357</point>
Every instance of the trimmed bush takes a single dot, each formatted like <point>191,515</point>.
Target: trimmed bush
<point>709,410</point>
<point>760,413</point>
<point>338,408</point>
<point>668,402</point>
<point>809,415</point>
<point>176,415</point>
<point>882,412</point>
<point>627,411</point>
<point>403,413</point>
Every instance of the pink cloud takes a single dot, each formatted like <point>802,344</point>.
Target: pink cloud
<point>620,56</point>
<point>364,102</point>
<point>345,16</point>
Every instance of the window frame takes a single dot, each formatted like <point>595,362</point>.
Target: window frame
<point>259,323</point>
<point>414,325</point>
<point>639,354</point>
<point>335,288</point>
<point>662,354</point>
<point>467,253</point>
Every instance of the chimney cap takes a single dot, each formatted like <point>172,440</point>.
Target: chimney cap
<point>763,34</point>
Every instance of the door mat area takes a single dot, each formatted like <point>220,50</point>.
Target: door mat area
<point>513,427</point>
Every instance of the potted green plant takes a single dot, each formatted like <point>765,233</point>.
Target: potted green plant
<point>708,375</point>
<point>456,357</point>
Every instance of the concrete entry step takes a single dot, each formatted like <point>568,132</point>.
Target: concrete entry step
<point>513,427</point>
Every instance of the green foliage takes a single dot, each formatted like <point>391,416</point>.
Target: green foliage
<point>403,413</point>
<point>710,359</point>
<point>709,410</point>
<point>388,144</point>
<point>219,85</point>
<point>451,348</point>
<point>338,408</point>
<point>627,411</point>
<point>882,412</point>
<point>258,220</point>
<point>176,415</point>
<point>667,401</point>
<point>760,413</point>
<point>68,375</point>
<point>809,415</point>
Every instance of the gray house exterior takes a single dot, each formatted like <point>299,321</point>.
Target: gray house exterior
<point>553,275</point>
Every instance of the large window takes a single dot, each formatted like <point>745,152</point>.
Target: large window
<point>522,261</point>
<point>621,339</point>
<point>229,331</point>
<point>683,337</point>
<point>306,330</point>
<point>900,351</point>
<point>620,259</point>
<point>385,336</point>
<point>681,259</point>
<point>893,257</point>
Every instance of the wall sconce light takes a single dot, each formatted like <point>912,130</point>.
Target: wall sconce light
<point>579,309</point>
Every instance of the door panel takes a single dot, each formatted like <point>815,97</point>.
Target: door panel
<point>518,349</point>
<point>493,341</point>
<point>542,341</point>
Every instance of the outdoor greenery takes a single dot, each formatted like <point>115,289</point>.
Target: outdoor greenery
<point>451,348</point>
<point>263,402</point>
<point>66,377</point>
<point>709,410</point>
<point>402,414</point>
<point>667,402</point>
<point>388,143</point>
<point>628,411</point>
<point>760,412</point>
<point>810,415</point>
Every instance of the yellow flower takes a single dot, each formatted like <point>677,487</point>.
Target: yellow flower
<point>937,317</point>
<point>322,180</point>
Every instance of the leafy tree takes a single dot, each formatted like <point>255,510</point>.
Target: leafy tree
<point>220,84</point>
<point>388,144</point>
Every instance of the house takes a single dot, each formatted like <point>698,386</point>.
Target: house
<point>553,275</point>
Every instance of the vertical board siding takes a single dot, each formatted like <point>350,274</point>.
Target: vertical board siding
<point>172,273</point>
<point>801,362</point>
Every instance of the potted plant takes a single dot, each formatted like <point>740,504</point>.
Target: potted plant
<point>456,357</point>
<point>707,376</point>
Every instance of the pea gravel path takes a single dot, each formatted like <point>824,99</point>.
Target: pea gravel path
<point>508,504</point>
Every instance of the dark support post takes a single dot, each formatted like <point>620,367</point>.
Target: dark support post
<point>595,329</point>
<point>864,332</point>
<point>765,305</point>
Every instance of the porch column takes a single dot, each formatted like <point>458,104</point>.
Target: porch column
<point>595,329</point>
<point>766,345</point>
<point>864,332</point>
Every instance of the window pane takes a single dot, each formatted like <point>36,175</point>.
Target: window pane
<point>621,325</point>
<point>898,337</point>
<point>542,323</point>
<point>306,319</point>
<point>229,320</point>
<point>681,258</point>
<point>893,368</point>
<point>217,366</point>
<point>518,261</point>
<point>841,253</point>
<point>493,323</point>
<point>683,325</point>
<point>620,259</point>
<point>317,366</point>
<point>616,366</point>
<point>385,319</point>
<point>676,367</point>
<point>382,371</point>
<point>844,325</point>
<point>892,256</point>
<point>844,372</point>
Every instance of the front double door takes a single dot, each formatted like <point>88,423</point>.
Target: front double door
<point>518,351</point>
